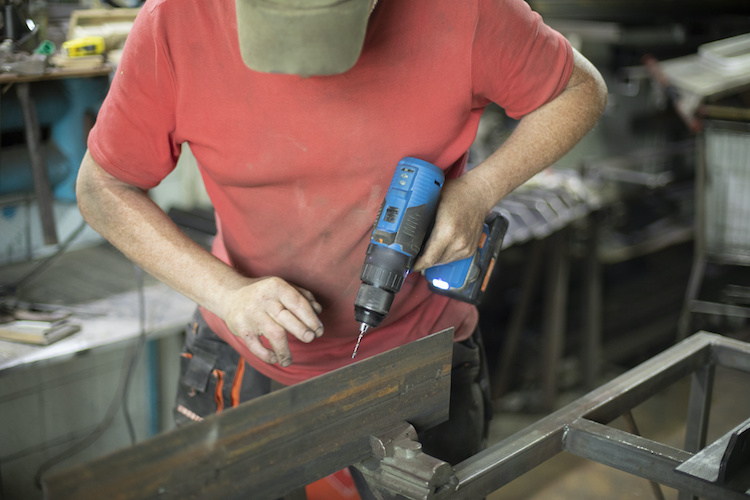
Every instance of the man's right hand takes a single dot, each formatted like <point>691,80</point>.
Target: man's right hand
<point>126,216</point>
<point>270,307</point>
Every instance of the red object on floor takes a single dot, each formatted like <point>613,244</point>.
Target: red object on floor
<point>337,486</point>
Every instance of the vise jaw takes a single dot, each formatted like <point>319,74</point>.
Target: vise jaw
<point>398,466</point>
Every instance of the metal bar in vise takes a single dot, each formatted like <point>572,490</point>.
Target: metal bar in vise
<point>272,445</point>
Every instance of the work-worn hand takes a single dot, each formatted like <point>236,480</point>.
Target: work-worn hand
<point>458,223</point>
<point>271,307</point>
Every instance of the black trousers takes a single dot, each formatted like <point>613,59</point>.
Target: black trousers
<point>214,377</point>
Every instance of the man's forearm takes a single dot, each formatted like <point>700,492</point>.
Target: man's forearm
<point>251,307</point>
<point>133,223</point>
<point>544,135</point>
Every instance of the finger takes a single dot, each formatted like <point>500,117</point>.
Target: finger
<point>301,310</point>
<point>435,251</point>
<point>427,260</point>
<point>317,308</point>
<point>275,334</point>
<point>259,350</point>
<point>290,323</point>
<point>457,247</point>
<point>311,299</point>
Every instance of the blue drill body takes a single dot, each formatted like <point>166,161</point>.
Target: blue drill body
<point>400,231</point>
<point>405,219</point>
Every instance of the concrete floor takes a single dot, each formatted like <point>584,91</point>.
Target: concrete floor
<point>662,418</point>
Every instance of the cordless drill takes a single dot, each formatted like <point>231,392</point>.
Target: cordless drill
<point>403,224</point>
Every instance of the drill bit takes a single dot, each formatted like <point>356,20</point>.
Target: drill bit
<point>362,329</point>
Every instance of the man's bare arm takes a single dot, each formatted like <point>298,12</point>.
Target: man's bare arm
<point>540,138</point>
<point>132,222</point>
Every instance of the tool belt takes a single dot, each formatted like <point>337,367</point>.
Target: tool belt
<point>213,376</point>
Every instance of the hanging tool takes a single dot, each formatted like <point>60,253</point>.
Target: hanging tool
<point>400,231</point>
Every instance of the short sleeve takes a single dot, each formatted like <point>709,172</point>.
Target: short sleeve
<point>133,137</point>
<point>518,62</point>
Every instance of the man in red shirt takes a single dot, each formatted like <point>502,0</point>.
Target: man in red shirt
<point>297,114</point>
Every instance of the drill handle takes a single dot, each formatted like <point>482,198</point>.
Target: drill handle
<point>467,279</point>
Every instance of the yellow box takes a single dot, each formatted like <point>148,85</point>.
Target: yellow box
<point>86,46</point>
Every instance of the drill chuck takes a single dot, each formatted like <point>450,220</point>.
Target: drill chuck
<point>383,274</point>
<point>372,305</point>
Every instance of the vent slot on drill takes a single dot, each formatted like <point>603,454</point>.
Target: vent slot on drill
<point>391,214</point>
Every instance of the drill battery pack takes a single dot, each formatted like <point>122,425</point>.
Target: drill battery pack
<point>467,279</point>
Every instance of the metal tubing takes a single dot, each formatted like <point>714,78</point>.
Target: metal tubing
<point>509,353</point>
<point>500,464</point>
<point>699,245</point>
<point>710,464</point>
<point>633,429</point>
<point>718,308</point>
<point>732,354</point>
<point>594,290</point>
<point>274,444</point>
<point>555,320</point>
<point>699,405</point>
<point>640,456</point>
<point>694,284</point>
<point>652,376</point>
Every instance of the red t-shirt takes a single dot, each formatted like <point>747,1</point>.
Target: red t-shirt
<point>296,167</point>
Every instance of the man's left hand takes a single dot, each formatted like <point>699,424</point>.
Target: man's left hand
<point>458,223</point>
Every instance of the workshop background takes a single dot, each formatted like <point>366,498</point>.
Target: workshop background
<point>634,240</point>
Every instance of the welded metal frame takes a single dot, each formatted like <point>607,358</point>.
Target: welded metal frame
<point>581,427</point>
<point>312,429</point>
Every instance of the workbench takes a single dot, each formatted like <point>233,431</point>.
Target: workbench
<point>104,323</point>
<point>53,396</point>
<point>98,286</point>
